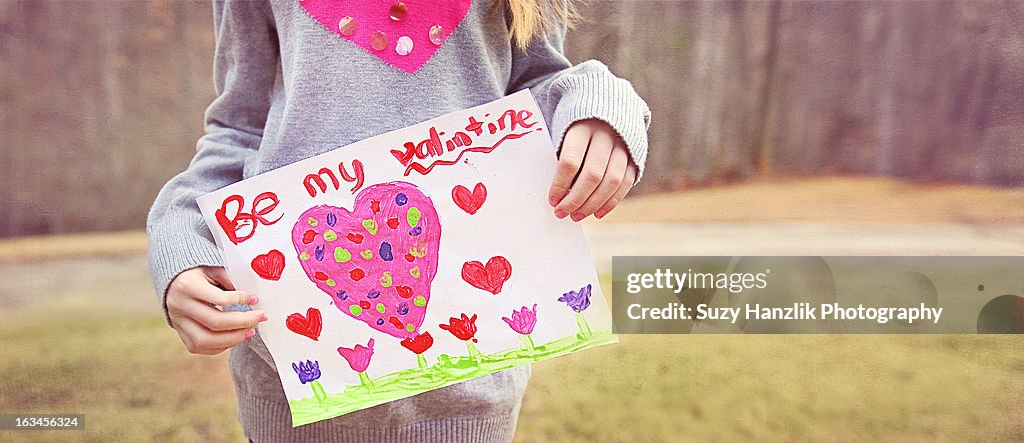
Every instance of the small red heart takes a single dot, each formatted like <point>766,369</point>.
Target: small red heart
<point>393,222</point>
<point>309,326</point>
<point>489,278</point>
<point>355,238</point>
<point>469,202</point>
<point>269,266</point>
<point>364,304</point>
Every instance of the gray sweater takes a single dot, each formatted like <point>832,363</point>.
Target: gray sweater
<point>288,89</point>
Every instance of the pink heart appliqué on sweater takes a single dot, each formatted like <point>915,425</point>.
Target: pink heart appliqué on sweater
<point>376,261</point>
<point>404,34</point>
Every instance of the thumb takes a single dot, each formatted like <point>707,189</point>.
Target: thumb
<point>219,276</point>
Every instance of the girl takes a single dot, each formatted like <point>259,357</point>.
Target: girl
<point>293,84</point>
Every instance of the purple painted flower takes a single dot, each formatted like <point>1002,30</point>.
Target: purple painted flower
<point>358,357</point>
<point>523,321</point>
<point>579,301</point>
<point>308,371</point>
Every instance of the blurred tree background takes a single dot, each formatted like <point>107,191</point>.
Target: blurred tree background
<point>102,101</point>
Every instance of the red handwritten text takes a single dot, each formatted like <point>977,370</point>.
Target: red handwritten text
<point>438,145</point>
<point>324,175</point>
<point>240,225</point>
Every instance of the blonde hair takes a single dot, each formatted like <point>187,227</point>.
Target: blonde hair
<point>530,18</point>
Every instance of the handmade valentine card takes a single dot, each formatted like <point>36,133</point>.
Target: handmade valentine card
<point>412,260</point>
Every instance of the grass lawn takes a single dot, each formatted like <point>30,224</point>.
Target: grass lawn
<point>132,379</point>
<point>84,335</point>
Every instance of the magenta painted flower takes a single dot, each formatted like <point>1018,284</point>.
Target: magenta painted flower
<point>358,357</point>
<point>523,321</point>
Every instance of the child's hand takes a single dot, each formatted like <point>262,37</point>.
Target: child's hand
<point>193,298</point>
<point>595,156</point>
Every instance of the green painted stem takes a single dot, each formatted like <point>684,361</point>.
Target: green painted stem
<point>318,390</point>
<point>421,361</point>
<point>474,353</point>
<point>527,341</point>
<point>585,331</point>
<point>365,380</point>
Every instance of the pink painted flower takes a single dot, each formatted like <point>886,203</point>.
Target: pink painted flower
<point>523,321</point>
<point>358,357</point>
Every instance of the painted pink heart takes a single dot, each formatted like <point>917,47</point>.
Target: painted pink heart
<point>361,257</point>
<point>402,33</point>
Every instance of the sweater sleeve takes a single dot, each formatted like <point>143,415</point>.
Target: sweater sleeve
<point>245,68</point>
<point>567,94</point>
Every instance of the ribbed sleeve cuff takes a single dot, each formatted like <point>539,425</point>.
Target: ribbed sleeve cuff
<point>596,93</point>
<point>176,245</point>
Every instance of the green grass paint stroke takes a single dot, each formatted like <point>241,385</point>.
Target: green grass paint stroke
<point>447,371</point>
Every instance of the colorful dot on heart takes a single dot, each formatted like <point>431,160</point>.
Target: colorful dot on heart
<point>330,282</point>
<point>385,279</point>
<point>393,222</point>
<point>419,301</point>
<point>318,252</point>
<point>341,294</point>
<point>373,294</point>
<point>330,235</point>
<point>385,252</point>
<point>371,226</point>
<point>347,26</point>
<point>409,258</point>
<point>341,255</point>
<point>396,322</point>
<point>436,35</point>
<point>398,11</point>
<point>308,237</point>
<point>403,291</point>
<point>367,254</point>
<point>364,304</point>
<point>380,307</point>
<point>416,231</point>
<point>312,221</point>
<point>355,310</point>
<point>320,276</point>
<point>403,308</point>
<point>354,238</point>
<point>404,45</point>
<point>413,216</point>
<point>401,199</point>
<point>378,40</point>
<point>375,206</point>
<point>304,256</point>
<point>409,327</point>
<point>332,219</point>
<point>356,274</point>
<point>415,272</point>
<point>380,322</point>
